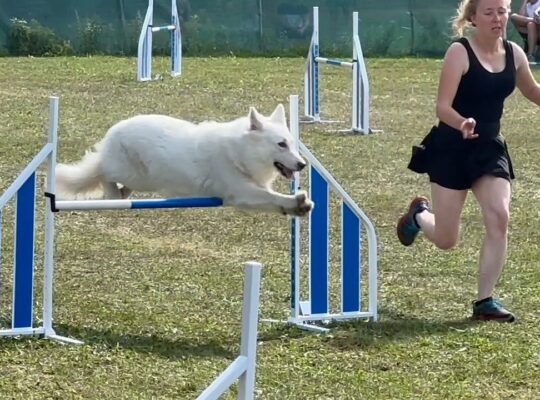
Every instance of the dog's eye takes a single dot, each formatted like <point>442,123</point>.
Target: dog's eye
<point>282,144</point>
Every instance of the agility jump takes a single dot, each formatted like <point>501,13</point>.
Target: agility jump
<point>23,189</point>
<point>316,306</point>
<point>144,53</point>
<point>360,83</point>
<point>304,313</point>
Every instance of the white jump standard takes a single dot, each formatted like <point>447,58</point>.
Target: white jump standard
<point>144,54</point>
<point>24,190</point>
<point>244,366</point>
<point>360,83</point>
<point>317,307</point>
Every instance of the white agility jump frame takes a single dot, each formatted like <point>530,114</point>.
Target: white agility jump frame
<point>316,307</point>
<point>144,53</point>
<point>23,189</point>
<point>305,313</point>
<point>360,83</point>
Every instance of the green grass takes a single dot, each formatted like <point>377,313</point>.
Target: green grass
<point>156,295</point>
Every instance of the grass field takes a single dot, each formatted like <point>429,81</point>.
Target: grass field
<point>156,295</point>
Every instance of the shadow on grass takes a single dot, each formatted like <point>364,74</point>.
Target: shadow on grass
<point>160,345</point>
<point>394,328</point>
<point>390,328</point>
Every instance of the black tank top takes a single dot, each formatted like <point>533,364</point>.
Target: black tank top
<point>481,93</point>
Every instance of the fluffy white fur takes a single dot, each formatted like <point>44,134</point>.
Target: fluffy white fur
<point>236,161</point>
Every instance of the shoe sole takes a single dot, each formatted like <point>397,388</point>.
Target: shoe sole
<point>406,216</point>
<point>508,318</point>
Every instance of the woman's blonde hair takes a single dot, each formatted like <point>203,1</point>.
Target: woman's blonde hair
<point>462,20</point>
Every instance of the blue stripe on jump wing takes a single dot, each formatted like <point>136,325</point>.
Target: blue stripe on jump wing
<point>173,45</point>
<point>315,89</point>
<point>177,203</point>
<point>319,244</point>
<point>351,261</point>
<point>292,253</point>
<point>24,255</point>
<point>293,263</point>
<point>145,66</point>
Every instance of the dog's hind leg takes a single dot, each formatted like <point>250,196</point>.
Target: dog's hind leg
<point>125,192</point>
<point>111,191</point>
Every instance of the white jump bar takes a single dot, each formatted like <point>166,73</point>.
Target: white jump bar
<point>334,62</point>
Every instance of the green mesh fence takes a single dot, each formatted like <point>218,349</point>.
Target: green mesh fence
<point>240,27</point>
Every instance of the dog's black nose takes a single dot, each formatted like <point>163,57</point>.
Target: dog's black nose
<point>300,165</point>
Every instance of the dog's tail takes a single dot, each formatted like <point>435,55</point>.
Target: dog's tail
<point>80,180</point>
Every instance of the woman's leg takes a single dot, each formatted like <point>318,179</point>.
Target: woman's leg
<point>532,36</point>
<point>441,225</point>
<point>520,22</point>
<point>493,195</point>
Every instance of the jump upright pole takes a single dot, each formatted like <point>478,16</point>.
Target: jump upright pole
<point>144,52</point>
<point>360,122</point>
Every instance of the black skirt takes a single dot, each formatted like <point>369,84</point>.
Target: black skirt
<point>456,163</point>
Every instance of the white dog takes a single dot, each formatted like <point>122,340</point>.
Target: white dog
<point>236,161</point>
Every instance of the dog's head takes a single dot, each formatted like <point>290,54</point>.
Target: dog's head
<point>272,142</point>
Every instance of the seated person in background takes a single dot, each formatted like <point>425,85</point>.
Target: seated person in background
<point>294,20</point>
<point>527,23</point>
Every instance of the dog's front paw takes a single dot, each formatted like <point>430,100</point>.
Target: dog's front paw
<point>303,204</point>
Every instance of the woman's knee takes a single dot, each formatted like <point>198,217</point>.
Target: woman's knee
<point>496,221</point>
<point>446,244</point>
<point>446,240</point>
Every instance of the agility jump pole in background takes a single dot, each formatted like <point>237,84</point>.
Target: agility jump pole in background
<point>360,83</point>
<point>23,189</point>
<point>144,54</point>
<point>317,305</point>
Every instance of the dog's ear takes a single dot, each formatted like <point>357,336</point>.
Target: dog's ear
<point>255,120</point>
<point>279,115</point>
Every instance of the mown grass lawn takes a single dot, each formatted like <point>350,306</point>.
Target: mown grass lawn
<point>156,295</point>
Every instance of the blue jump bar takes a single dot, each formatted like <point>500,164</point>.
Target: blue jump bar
<point>177,203</point>
<point>82,205</point>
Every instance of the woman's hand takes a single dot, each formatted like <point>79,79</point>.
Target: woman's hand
<point>467,128</point>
